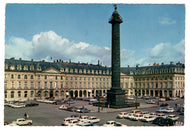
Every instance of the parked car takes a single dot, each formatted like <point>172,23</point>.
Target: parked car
<point>173,117</point>
<point>75,116</point>
<point>93,119</point>
<point>163,104</point>
<point>113,123</point>
<point>157,120</point>
<point>135,111</point>
<point>83,110</point>
<point>87,124</point>
<point>30,104</point>
<point>129,116</point>
<point>161,115</point>
<point>150,102</point>
<point>121,115</point>
<point>66,120</point>
<point>63,107</point>
<point>137,117</point>
<point>169,110</point>
<point>72,109</point>
<point>166,122</point>
<point>148,118</point>
<point>22,121</point>
<point>160,109</point>
<point>83,118</point>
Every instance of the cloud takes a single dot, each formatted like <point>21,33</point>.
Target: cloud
<point>166,52</point>
<point>45,45</point>
<point>166,21</point>
<point>48,44</point>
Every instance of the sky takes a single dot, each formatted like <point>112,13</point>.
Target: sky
<point>150,33</point>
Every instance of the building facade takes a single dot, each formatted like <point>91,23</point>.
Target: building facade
<point>29,80</point>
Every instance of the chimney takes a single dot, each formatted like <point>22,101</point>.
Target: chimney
<point>98,62</point>
<point>32,59</point>
<point>20,58</point>
<point>171,63</point>
<point>69,60</point>
<point>128,66</point>
<point>150,65</point>
<point>154,64</point>
<point>162,63</point>
<point>13,58</point>
<point>138,65</point>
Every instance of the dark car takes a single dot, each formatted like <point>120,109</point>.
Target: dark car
<point>166,122</point>
<point>157,120</point>
<point>164,105</point>
<point>73,109</point>
<point>30,104</point>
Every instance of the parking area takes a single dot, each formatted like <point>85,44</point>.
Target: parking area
<point>50,115</point>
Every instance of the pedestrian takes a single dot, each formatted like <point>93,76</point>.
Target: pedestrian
<point>25,115</point>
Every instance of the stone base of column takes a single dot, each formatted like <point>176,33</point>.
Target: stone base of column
<point>116,98</point>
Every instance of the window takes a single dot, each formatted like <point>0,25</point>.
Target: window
<point>38,68</point>
<point>5,94</point>
<point>38,76</point>
<point>32,94</point>
<point>32,85</point>
<point>31,77</point>
<point>25,85</point>
<point>12,67</point>
<point>6,66</point>
<point>19,67</point>
<point>19,76</point>
<point>12,76</point>
<point>51,85</point>
<point>12,84</point>
<point>25,76</point>
<point>19,94</point>
<point>25,67</point>
<point>12,94</point>
<point>45,77</point>
<point>19,85</point>
<point>31,67</point>
<point>5,84</point>
<point>45,86</point>
<point>38,85</point>
<point>25,94</point>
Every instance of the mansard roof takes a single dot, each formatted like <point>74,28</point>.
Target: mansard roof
<point>57,65</point>
<point>128,70</point>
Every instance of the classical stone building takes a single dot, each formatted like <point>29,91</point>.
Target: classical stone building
<point>28,80</point>
<point>158,80</point>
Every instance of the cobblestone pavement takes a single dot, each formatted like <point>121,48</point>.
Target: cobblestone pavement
<point>50,115</point>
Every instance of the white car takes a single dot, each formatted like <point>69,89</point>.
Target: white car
<point>83,118</point>
<point>63,107</point>
<point>161,115</point>
<point>130,116</point>
<point>169,110</point>
<point>93,119</point>
<point>122,115</point>
<point>22,121</point>
<point>73,123</point>
<point>113,123</point>
<point>153,114</point>
<point>137,117</point>
<point>148,118</point>
<point>66,121</point>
